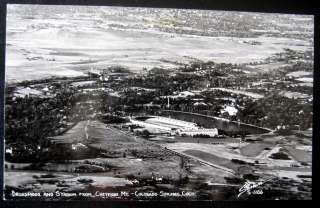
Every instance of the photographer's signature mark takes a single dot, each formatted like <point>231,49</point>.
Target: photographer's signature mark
<point>250,187</point>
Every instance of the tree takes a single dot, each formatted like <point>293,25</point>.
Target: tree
<point>145,134</point>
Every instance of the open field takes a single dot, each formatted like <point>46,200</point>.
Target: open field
<point>71,45</point>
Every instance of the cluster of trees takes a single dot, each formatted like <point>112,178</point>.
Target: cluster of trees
<point>30,120</point>
<point>274,110</point>
<point>289,55</point>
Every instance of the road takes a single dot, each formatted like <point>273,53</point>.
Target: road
<point>201,161</point>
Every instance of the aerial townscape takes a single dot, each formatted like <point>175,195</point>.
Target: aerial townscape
<point>140,125</point>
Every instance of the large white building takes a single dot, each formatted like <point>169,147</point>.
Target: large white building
<point>207,132</point>
<point>158,124</point>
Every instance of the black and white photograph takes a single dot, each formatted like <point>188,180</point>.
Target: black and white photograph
<point>137,103</point>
